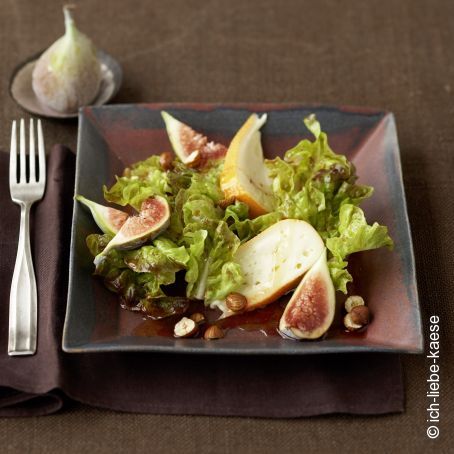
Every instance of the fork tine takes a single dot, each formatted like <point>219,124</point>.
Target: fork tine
<point>41,154</point>
<point>31,152</point>
<point>23,177</point>
<point>13,156</point>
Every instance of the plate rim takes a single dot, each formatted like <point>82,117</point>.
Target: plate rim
<point>98,347</point>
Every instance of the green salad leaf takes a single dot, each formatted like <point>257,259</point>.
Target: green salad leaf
<point>315,184</point>
<point>354,235</point>
<point>114,271</point>
<point>143,180</point>
<point>139,273</point>
<point>223,274</point>
<point>198,240</point>
<point>152,259</point>
<point>237,217</point>
<point>339,273</point>
<point>195,243</point>
<point>212,273</point>
<point>311,182</point>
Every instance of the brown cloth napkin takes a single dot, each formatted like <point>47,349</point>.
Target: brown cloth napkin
<point>258,386</point>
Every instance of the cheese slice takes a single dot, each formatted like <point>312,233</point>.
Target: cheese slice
<point>274,261</point>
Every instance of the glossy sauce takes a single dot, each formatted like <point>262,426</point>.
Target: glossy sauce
<point>264,322</point>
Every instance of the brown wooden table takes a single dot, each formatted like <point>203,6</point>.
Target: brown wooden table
<point>397,55</point>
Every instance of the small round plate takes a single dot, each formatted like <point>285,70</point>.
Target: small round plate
<point>22,92</point>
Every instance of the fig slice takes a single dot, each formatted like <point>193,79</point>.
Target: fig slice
<point>190,146</point>
<point>153,218</point>
<point>310,311</point>
<point>274,261</point>
<point>109,220</point>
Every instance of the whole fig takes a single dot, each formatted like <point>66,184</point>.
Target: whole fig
<point>68,74</point>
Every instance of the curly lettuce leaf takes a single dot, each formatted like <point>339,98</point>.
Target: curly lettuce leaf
<point>176,254</point>
<point>355,235</point>
<point>126,283</point>
<point>151,259</point>
<point>197,240</point>
<point>143,180</point>
<point>209,241</point>
<point>315,184</point>
<point>195,201</point>
<point>339,273</point>
<point>115,273</point>
<point>179,177</point>
<point>96,243</point>
<point>237,217</point>
<point>157,264</point>
<point>224,275</point>
<point>195,267</point>
<point>206,183</point>
<point>200,219</point>
<point>312,182</point>
<point>211,271</point>
<point>140,273</point>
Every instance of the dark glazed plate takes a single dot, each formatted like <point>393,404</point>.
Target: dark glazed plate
<point>113,137</point>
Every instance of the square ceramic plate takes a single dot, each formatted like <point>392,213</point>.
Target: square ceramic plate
<point>113,137</point>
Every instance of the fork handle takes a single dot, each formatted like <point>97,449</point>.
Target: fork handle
<point>23,297</point>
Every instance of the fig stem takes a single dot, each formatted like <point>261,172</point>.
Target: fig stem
<point>68,38</point>
<point>69,21</point>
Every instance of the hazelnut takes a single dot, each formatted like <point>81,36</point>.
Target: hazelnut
<point>360,315</point>
<point>193,159</point>
<point>213,332</point>
<point>224,203</point>
<point>353,301</point>
<point>236,302</point>
<point>198,317</point>
<point>166,159</point>
<point>349,324</point>
<point>185,328</point>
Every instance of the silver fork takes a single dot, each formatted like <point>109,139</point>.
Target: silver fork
<point>23,325</point>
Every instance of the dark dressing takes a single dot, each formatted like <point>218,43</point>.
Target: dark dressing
<point>262,322</point>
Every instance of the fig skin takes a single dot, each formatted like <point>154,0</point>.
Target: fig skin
<point>190,146</point>
<point>109,220</point>
<point>68,74</point>
<point>153,219</point>
<point>310,311</point>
